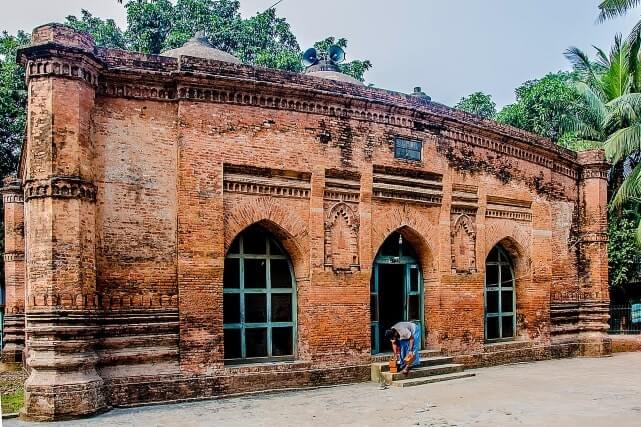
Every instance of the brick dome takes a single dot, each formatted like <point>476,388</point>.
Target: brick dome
<point>199,47</point>
<point>335,75</point>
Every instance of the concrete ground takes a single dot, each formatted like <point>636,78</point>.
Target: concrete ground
<point>569,392</point>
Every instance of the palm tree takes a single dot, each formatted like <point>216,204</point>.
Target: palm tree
<point>600,82</point>
<point>613,8</point>
<point>623,147</point>
<point>610,87</point>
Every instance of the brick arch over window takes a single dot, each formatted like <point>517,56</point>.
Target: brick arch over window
<point>290,230</point>
<point>517,246</point>
<point>515,239</point>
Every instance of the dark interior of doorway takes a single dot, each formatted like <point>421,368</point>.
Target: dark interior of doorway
<point>391,294</point>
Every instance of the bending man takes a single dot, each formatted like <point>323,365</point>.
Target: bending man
<point>405,338</point>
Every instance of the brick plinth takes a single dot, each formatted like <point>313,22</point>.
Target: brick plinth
<point>63,383</point>
<point>13,340</point>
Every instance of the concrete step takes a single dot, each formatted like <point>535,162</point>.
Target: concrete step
<point>385,357</point>
<point>432,379</point>
<point>427,371</point>
<point>428,361</point>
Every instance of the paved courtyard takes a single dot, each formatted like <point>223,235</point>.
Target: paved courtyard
<point>571,392</point>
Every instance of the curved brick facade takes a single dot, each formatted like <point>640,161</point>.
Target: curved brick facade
<point>139,172</point>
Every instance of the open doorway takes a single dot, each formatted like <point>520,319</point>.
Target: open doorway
<point>396,290</point>
<point>391,282</point>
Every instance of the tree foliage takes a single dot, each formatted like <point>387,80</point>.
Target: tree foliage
<point>13,100</point>
<point>543,105</point>
<point>154,26</point>
<point>623,252</point>
<point>105,32</point>
<point>479,104</point>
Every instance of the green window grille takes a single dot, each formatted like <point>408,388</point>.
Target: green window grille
<point>408,149</point>
<point>259,300</point>
<point>500,299</point>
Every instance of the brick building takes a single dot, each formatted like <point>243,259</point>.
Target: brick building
<point>185,226</point>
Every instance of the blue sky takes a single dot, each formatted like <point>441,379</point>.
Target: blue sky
<point>450,48</point>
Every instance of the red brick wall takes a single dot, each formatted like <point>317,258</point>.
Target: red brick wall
<point>146,149</point>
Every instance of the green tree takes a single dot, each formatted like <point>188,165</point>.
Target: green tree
<point>149,24</point>
<point>264,39</point>
<point>542,106</point>
<point>623,252</point>
<point>105,32</point>
<point>479,104</point>
<point>13,101</point>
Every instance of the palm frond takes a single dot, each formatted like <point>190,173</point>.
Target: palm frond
<point>613,8</point>
<point>630,189</point>
<point>594,99</point>
<point>631,100</point>
<point>581,63</point>
<point>623,142</point>
<point>602,59</point>
<point>634,43</point>
<point>616,79</point>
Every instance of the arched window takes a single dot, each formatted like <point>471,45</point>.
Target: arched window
<point>500,300</point>
<point>259,299</point>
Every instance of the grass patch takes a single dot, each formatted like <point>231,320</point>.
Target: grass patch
<point>11,403</point>
<point>12,378</point>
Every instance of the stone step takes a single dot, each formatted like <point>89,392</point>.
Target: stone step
<point>428,361</point>
<point>432,379</point>
<point>385,357</point>
<point>423,372</point>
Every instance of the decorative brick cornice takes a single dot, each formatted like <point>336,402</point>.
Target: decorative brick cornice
<point>598,172</point>
<point>266,182</point>
<point>594,237</point>
<point>13,256</point>
<point>516,216</point>
<point>407,186</point>
<point>120,89</point>
<point>12,198</point>
<point>61,187</point>
<point>567,297</point>
<point>97,301</point>
<point>505,208</point>
<point>59,66</point>
<point>12,190</point>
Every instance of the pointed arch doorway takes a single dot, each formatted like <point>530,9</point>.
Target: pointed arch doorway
<point>396,291</point>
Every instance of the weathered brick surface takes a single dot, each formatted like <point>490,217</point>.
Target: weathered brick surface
<point>140,171</point>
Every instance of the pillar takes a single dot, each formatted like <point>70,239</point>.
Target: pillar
<point>594,294</point>
<point>59,205</point>
<point>14,269</point>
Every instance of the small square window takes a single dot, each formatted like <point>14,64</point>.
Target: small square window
<point>407,149</point>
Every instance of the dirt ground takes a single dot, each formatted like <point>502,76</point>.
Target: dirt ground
<point>569,392</point>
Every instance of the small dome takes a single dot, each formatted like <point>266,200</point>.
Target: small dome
<point>199,47</point>
<point>336,76</point>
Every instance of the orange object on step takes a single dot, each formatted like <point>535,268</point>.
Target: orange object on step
<point>409,359</point>
<point>393,366</point>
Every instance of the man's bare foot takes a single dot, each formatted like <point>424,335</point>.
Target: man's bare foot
<point>405,371</point>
